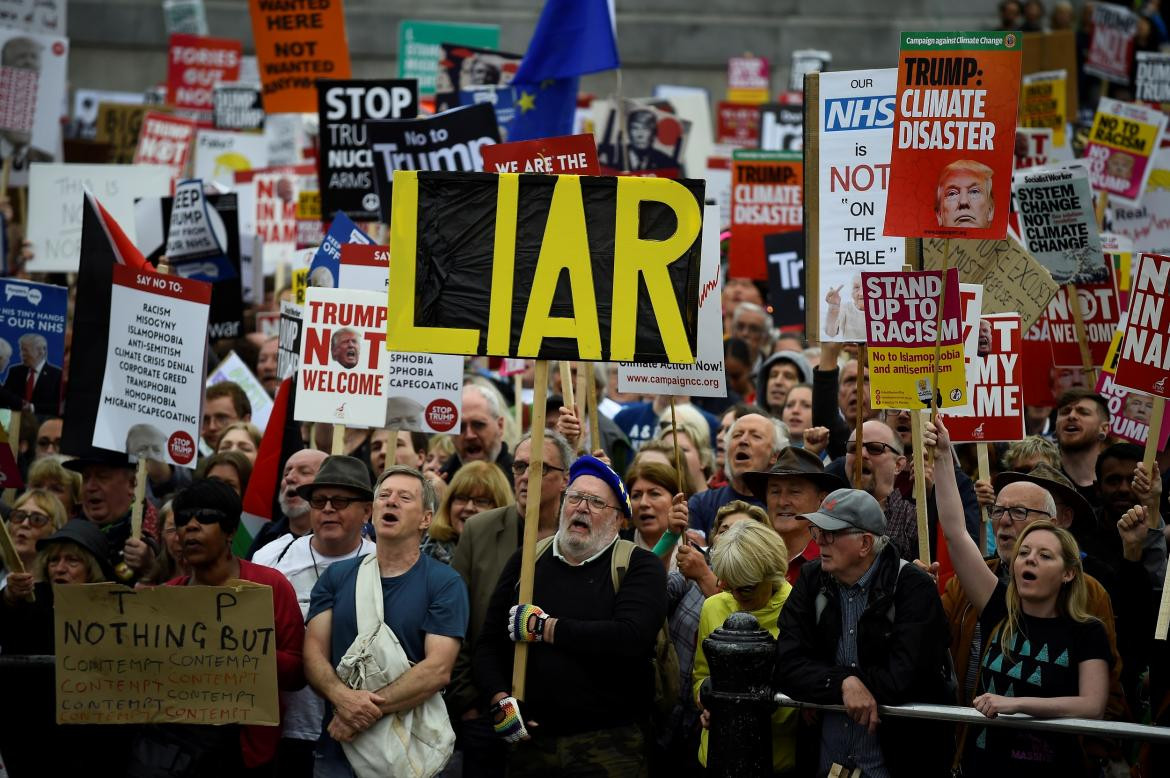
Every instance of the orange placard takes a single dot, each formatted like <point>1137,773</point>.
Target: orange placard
<point>295,48</point>
<point>954,135</point>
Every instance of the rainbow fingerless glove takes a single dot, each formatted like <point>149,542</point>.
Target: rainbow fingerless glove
<point>518,618</point>
<point>506,720</point>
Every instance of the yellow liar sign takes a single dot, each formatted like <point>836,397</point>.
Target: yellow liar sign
<point>564,247</point>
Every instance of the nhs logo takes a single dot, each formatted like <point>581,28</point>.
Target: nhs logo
<point>859,113</point>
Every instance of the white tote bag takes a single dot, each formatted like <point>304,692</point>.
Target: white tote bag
<point>409,744</point>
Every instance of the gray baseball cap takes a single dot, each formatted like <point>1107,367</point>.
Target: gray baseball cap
<point>849,509</point>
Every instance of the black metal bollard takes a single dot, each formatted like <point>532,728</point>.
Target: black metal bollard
<point>739,695</point>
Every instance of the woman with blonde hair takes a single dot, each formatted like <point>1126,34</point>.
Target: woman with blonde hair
<point>243,436</point>
<point>476,487</point>
<point>656,450</point>
<point>37,515</point>
<point>49,473</point>
<point>694,442</point>
<point>750,562</point>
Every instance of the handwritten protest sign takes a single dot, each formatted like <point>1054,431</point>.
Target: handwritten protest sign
<point>118,124</point>
<point>237,106</point>
<point>766,197</point>
<point>1122,143</point>
<point>288,353</point>
<point>1111,40</point>
<point>220,154</point>
<point>706,377</point>
<point>150,401</point>
<point>345,161</point>
<point>56,199</point>
<point>295,46</point>
<point>629,296</point>
<point>749,80</point>
<point>902,328</point>
<point>854,112</point>
<point>33,314</point>
<point>573,154</point>
<point>1058,224</point>
<point>954,134</point>
<point>1144,363</point>
<point>179,654</point>
<point>420,47</point>
<point>1098,307</point>
<point>195,65</point>
<point>165,140</point>
<point>1043,103</point>
<point>995,370</point>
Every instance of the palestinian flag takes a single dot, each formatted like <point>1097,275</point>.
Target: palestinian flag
<point>282,439</point>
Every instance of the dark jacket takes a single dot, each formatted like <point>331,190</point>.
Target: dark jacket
<point>900,661</point>
<point>46,397</point>
<point>827,411</point>
<point>503,461</point>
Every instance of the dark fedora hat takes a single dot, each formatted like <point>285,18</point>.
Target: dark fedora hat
<point>85,534</point>
<point>1058,485</point>
<point>793,462</point>
<point>99,456</point>
<point>341,471</point>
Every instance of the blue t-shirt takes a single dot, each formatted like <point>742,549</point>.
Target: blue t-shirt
<point>640,423</point>
<point>429,598</point>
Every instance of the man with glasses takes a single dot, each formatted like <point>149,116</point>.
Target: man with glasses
<point>486,544</point>
<point>862,628</point>
<point>590,675</point>
<point>481,432</point>
<point>882,458</point>
<point>339,499</point>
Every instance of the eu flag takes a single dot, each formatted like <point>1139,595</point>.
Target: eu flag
<point>573,37</point>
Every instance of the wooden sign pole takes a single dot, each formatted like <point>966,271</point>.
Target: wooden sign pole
<point>1163,625</point>
<point>1087,367</point>
<point>584,370</point>
<point>859,419</point>
<point>1151,455</point>
<point>566,370</point>
<point>518,393</point>
<point>531,517</point>
<point>674,437</point>
<point>594,413</point>
<point>13,443</point>
<point>139,499</point>
<point>984,475</point>
<point>920,487</point>
<point>338,446</point>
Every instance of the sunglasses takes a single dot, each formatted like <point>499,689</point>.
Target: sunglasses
<point>33,519</point>
<point>202,515</point>
<point>338,502</point>
<point>873,449</point>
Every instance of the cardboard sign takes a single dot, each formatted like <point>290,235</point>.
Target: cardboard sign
<point>345,161</point>
<point>237,106</point>
<point>118,125</point>
<point>805,62</point>
<point>572,154</point>
<point>1043,104</point>
<point>901,326</point>
<point>781,127</point>
<point>766,198</point>
<point>1122,143</point>
<point>465,69</point>
<point>151,399</point>
<point>1129,412</point>
<point>652,144</point>
<point>221,154</point>
<point>295,46</point>
<point>954,134</point>
<point>749,80</point>
<point>786,278</point>
<point>165,140</point>
<point>737,125</point>
<point>706,377</point>
<point>1100,312</point>
<point>56,198</point>
<point>1144,363</point>
<point>1111,40</point>
<point>179,654</point>
<point>288,353</point>
<point>32,93</point>
<point>86,104</point>
<point>479,259</point>
<point>276,192</point>
<point>854,113</point>
<point>233,369</point>
<point>323,271</point>
<point>32,316</point>
<point>1058,224</point>
<point>995,371</point>
<point>195,65</point>
<point>1153,78</point>
<point>446,141</point>
<point>420,47</point>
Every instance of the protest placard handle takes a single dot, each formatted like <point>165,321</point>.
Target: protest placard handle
<point>139,497</point>
<point>1101,205</point>
<point>1074,302</point>
<point>567,398</point>
<point>1151,455</point>
<point>338,445</point>
<point>531,516</point>
<point>942,301</point>
<point>518,393</point>
<point>5,174</point>
<point>984,475</point>
<point>584,369</point>
<point>594,418</point>
<point>22,206</point>
<point>12,561</point>
<point>1163,625</point>
<point>9,495</point>
<point>674,436</point>
<point>920,487</point>
<point>859,418</point>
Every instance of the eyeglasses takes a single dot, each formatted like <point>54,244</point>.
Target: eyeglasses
<point>520,468</point>
<point>483,503</point>
<point>202,515</point>
<point>595,503</point>
<point>337,501</point>
<point>825,537</point>
<point>33,519</point>
<point>1016,512</point>
<point>873,449</point>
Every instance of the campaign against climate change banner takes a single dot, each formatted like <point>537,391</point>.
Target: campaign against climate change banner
<point>902,329</point>
<point>56,205</point>
<point>288,351</point>
<point>1144,363</point>
<point>572,154</point>
<point>323,270</point>
<point>652,143</point>
<point>151,398</point>
<point>995,380</point>
<point>420,46</point>
<point>1055,206</point>
<point>164,139</point>
<point>465,70</point>
<point>139,656</point>
<point>1111,39</point>
<point>32,328</point>
<point>1100,312</point>
<point>220,154</point>
<point>854,117</point>
<point>32,92</point>
<point>237,106</point>
<point>954,134</point>
<point>446,141</point>
<point>195,65</point>
<point>1043,103</point>
<point>706,377</point>
<point>767,196</point>
<point>345,160</point>
<point>295,46</point>
<point>478,261</point>
<point>1122,143</point>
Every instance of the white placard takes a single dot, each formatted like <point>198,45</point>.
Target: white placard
<point>220,154</point>
<point>233,369</point>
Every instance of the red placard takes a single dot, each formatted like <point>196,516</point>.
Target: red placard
<point>195,64</point>
<point>567,154</point>
<point>1100,312</point>
<point>767,195</point>
<point>364,255</point>
<point>1144,362</point>
<point>167,286</point>
<point>995,377</point>
<point>164,140</point>
<point>1111,41</point>
<point>738,125</point>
